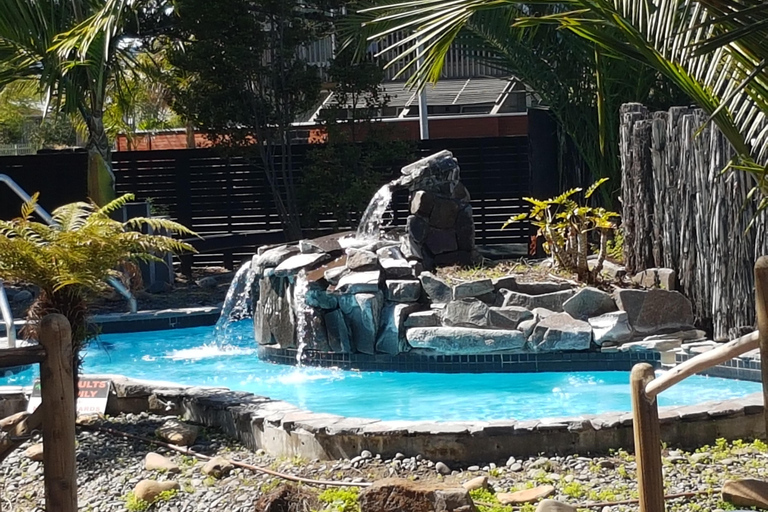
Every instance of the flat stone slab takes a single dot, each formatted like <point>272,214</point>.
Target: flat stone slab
<point>429,318</point>
<point>561,332</point>
<point>299,262</point>
<point>403,290</point>
<point>359,282</point>
<point>509,317</point>
<point>473,289</point>
<point>464,340</point>
<point>553,301</point>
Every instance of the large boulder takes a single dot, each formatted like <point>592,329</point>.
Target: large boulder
<point>466,313</point>
<point>391,338</point>
<point>399,495</point>
<point>653,311</point>
<point>407,290</point>
<point>441,241</point>
<point>553,301</point>
<point>339,338</point>
<point>362,312</point>
<point>747,492</point>
<point>464,340</point>
<point>359,282</point>
<point>589,302</point>
<point>509,317</point>
<point>561,332</point>
<point>611,327</point>
<point>436,289</point>
<point>274,321</point>
<point>473,289</point>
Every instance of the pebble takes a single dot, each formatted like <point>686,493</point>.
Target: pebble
<point>442,468</point>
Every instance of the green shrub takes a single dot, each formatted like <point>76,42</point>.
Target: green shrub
<point>342,499</point>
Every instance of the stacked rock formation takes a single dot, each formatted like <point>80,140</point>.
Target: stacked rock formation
<point>440,230</point>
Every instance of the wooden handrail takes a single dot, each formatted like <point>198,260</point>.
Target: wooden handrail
<point>701,362</point>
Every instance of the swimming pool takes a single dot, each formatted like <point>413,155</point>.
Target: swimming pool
<point>192,357</point>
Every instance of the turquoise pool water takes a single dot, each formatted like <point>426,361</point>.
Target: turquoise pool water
<point>191,356</point>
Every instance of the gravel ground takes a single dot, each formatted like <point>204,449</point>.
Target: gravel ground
<point>109,467</point>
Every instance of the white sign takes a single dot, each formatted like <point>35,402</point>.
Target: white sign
<point>92,395</point>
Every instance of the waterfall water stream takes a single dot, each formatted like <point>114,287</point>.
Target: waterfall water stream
<point>370,224</point>
<point>300,288</point>
<point>237,304</point>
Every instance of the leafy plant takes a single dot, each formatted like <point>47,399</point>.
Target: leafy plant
<point>615,246</point>
<point>341,499</point>
<point>566,226</point>
<point>71,259</point>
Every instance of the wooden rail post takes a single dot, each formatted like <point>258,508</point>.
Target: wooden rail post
<point>645,416</point>
<point>58,412</point>
<point>761,306</point>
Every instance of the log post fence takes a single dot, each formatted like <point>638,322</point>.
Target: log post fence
<point>645,389</point>
<point>56,414</point>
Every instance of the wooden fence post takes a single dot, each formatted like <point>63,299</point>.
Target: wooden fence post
<point>645,416</point>
<point>761,306</point>
<point>58,411</point>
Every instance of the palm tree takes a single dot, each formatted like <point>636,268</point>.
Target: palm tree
<point>71,259</point>
<point>715,51</point>
<point>40,42</point>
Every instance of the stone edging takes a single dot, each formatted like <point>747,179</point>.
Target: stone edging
<point>156,320</point>
<point>416,361</point>
<point>283,429</point>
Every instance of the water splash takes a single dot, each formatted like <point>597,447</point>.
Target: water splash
<point>237,304</point>
<point>301,310</point>
<point>370,225</point>
<point>208,351</point>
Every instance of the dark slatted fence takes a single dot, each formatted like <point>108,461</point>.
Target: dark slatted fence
<point>228,201</point>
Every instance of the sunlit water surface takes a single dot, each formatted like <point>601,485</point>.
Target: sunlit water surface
<point>193,357</point>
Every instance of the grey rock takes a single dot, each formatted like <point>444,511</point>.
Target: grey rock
<point>417,228</point>
<point>561,332</point>
<point>362,312</point>
<point>300,262</point>
<point>465,229</point>
<point>278,325</point>
<point>664,278</point>
<point>396,268</point>
<point>610,270</point>
<point>217,467</point>
<point>541,287</point>
<point>411,249</point>
<point>359,282</point>
<point>659,345</point>
<point>399,495</point>
<point>509,317</point>
<point>176,432</point>
<point>361,260</point>
<point>429,318</point>
<point>156,462</point>
<point>506,283</point>
<point>553,301</point>
<point>314,331</point>
<point>442,468</point>
<point>541,313</point>
<point>480,482</point>
<point>319,298</point>
<point>466,313</point>
<point>439,241</point>
<point>339,338</point>
<point>436,289</point>
<point>464,340</point>
<point>422,203</point>
<point>473,289</point>
<point>444,212</point>
<point>554,506</point>
<point>148,490</point>
<point>653,311</point>
<point>275,256</point>
<point>309,247</point>
<point>527,326</point>
<point>613,327</point>
<point>209,283</point>
<point>589,302</point>
<point>390,251</point>
<point>403,290</point>
<point>391,339</point>
<point>333,275</point>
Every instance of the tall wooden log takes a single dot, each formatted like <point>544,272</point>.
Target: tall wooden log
<point>58,413</point>
<point>761,305</point>
<point>647,433</point>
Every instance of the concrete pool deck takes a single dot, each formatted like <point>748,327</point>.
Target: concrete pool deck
<point>283,429</point>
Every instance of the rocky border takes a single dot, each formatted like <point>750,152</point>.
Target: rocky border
<point>156,320</point>
<point>283,429</point>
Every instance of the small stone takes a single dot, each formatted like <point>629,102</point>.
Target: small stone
<point>208,283</point>
<point>748,492</point>
<point>429,318</point>
<point>403,290</point>
<point>176,432</point>
<point>360,260</point>
<point>516,467</point>
<point>34,452</point>
<point>309,247</point>
<point>365,454</point>
<point>154,461</point>
<point>472,289</point>
<point>396,269</point>
<point>554,506</point>
<point>480,482</point>
<point>218,467</point>
<point>525,496</point>
<point>511,460</point>
<point>442,468</point>
<point>149,490</point>
<point>664,278</point>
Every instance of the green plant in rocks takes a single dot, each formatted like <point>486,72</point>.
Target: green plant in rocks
<point>566,227</point>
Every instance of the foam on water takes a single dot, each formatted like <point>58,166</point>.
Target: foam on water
<point>192,357</point>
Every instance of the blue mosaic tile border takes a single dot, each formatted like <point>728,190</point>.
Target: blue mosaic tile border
<point>739,368</point>
<point>481,363</point>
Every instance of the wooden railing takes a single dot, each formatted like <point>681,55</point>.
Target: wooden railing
<point>645,389</point>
